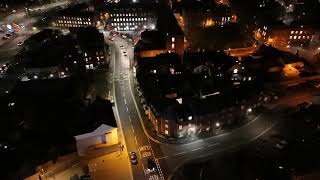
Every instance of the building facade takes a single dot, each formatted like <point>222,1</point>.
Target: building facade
<point>74,20</point>
<point>285,36</point>
<point>132,18</point>
<point>93,49</point>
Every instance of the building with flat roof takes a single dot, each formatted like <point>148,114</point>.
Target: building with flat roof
<point>133,17</point>
<point>76,16</point>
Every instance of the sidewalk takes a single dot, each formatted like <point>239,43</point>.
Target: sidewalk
<point>65,168</point>
<point>113,166</point>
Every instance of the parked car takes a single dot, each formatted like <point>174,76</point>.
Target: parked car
<point>304,105</point>
<point>133,158</point>
<point>280,141</point>
<point>20,43</point>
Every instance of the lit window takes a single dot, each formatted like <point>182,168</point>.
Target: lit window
<point>308,37</point>
<point>303,37</point>
<point>180,127</point>
<point>172,39</point>
<point>290,37</point>
<point>166,125</point>
<point>172,45</point>
<point>300,32</point>
<point>295,37</point>
<point>235,71</point>
<point>166,132</point>
<point>190,118</point>
<point>299,37</point>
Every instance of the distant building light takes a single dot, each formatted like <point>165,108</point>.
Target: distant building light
<point>62,73</point>
<point>235,71</point>
<point>35,77</point>
<point>190,118</point>
<point>51,75</point>
<point>249,110</point>
<point>172,39</point>
<point>155,71</point>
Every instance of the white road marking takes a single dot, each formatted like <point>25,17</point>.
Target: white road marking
<point>198,141</point>
<point>215,144</point>
<point>132,128</point>
<point>144,148</point>
<point>135,138</point>
<point>125,102</point>
<point>197,149</point>
<point>263,132</point>
<point>127,109</point>
<point>118,115</point>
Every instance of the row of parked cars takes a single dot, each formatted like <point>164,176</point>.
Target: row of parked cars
<point>151,165</point>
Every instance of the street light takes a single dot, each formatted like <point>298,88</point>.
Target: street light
<point>217,124</point>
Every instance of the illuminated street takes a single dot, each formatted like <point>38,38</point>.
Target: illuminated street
<point>160,90</point>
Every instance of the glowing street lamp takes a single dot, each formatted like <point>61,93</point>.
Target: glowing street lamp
<point>217,124</point>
